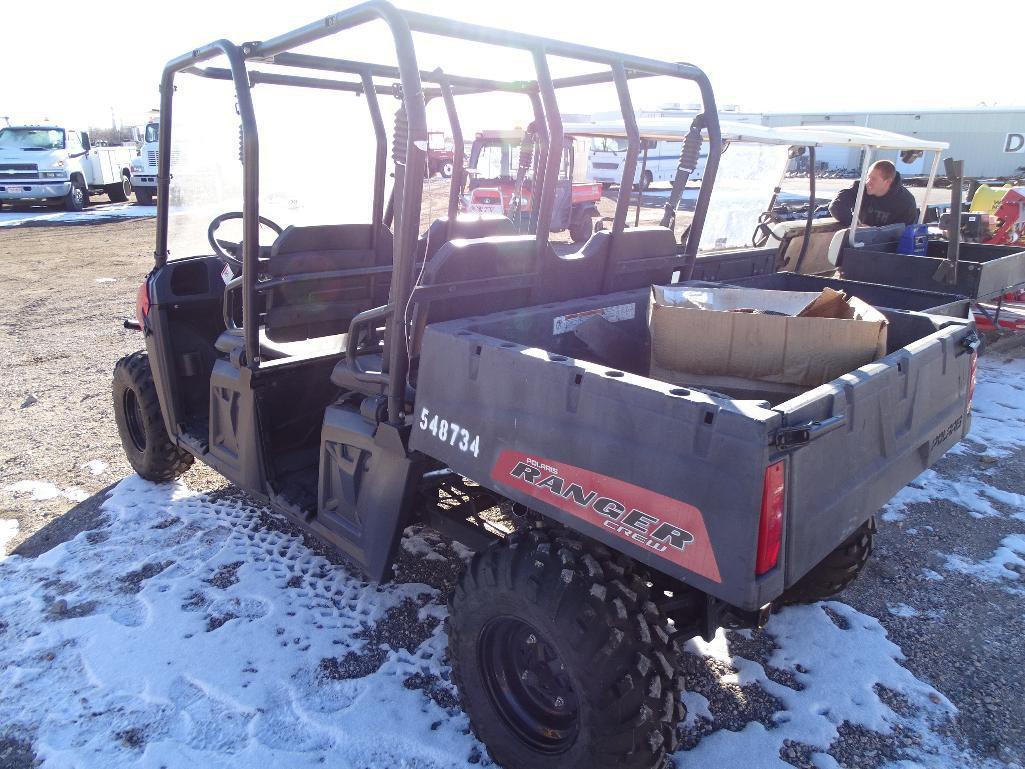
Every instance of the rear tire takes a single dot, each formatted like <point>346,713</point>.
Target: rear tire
<point>837,570</point>
<point>141,424</point>
<point>118,193</point>
<point>77,197</point>
<point>447,169</point>
<point>561,659</point>
<point>144,196</point>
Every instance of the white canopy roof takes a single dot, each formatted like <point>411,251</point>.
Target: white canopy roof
<point>675,129</point>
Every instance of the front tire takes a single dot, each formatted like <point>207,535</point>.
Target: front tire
<point>144,196</point>
<point>77,197</point>
<point>561,659</point>
<point>580,229</point>
<point>141,424</point>
<point>837,570</point>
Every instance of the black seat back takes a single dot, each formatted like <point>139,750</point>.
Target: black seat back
<point>640,257</point>
<point>475,277</point>
<point>342,270</point>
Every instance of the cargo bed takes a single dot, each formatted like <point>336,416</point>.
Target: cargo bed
<point>984,272</point>
<point>600,437</point>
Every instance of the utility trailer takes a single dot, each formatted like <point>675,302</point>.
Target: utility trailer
<point>359,376</point>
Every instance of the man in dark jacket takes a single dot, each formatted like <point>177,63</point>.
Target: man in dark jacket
<point>886,199</point>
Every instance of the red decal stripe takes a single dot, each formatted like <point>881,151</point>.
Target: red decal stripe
<point>668,527</point>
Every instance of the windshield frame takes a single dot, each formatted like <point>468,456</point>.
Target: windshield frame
<point>7,130</point>
<point>155,137</point>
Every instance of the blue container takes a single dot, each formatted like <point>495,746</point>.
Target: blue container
<point>915,240</point>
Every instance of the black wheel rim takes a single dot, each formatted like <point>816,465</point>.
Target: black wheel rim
<point>133,420</point>
<point>528,684</point>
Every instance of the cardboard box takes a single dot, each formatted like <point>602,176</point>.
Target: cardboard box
<point>698,337</point>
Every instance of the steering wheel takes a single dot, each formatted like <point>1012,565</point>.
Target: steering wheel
<point>226,250</point>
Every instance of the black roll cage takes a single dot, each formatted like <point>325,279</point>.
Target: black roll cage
<point>407,191</point>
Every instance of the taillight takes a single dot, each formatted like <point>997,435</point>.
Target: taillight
<point>770,526</point>
<point>142,303</point>
<point>973,367</point>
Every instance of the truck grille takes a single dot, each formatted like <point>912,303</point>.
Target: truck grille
<point>152,157</point>
<point>606,166</point>
<point>11,171</point>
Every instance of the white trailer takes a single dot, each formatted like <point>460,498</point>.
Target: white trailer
<point>656,163</point>
<point>55,164</point>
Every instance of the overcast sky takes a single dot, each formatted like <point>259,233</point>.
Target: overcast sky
<point>68,61</point>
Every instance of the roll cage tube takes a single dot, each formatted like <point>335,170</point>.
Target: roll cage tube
<point>407,197</point>
<point>250,174</point>
<point>866,161</point>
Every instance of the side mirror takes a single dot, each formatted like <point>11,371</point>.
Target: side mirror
<point>85,141</point>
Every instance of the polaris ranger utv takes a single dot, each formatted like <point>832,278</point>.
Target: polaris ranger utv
<point>359,377</point>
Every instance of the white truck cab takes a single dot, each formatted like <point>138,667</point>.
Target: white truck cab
<point>144,166</point>
<point>56,164</point>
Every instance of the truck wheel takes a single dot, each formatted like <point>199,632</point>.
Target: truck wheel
<point>118,193</point>
<point>561,659</point>
<point>140,423</point>
<point>144,196</point>
<point>837,570</point>
<point>77,197</point>
<point>580,230</point>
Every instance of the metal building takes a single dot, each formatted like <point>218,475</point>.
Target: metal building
<point>991,141</point>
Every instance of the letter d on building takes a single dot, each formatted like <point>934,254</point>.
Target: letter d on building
<point>1015,143</point>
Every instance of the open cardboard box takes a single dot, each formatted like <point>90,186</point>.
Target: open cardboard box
<point>699,339</point>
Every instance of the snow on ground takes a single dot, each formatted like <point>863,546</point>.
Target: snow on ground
<point>186,632</point>
<point>94,213</point>
<point>96,466</point>
<point>998,408</point>
<point>1007,564</point>
<point>43,490</point>
<point>829,666</point>
<point>190,630</point>
<point>8,531</point>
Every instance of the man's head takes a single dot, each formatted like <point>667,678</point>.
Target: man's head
<point>880,178</point>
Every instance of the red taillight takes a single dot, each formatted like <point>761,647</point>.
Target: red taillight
<point>142,303</point>
<point>973,367</point>
<point>770,526</point>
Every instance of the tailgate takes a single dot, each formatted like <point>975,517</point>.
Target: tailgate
<point>858,440</point>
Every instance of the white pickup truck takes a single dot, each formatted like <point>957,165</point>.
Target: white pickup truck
<point>53,164</point>
<point>144,166</point>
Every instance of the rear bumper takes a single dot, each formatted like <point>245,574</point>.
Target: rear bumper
<point>33,190</point>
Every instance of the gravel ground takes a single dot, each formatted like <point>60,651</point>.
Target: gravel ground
<point>66,291</point>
